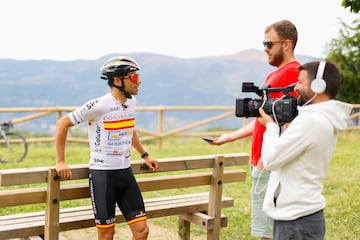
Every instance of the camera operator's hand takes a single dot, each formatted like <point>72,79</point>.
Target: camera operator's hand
<point>264,118</point>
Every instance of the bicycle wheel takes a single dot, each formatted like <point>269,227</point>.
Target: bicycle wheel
<point>12,149</point>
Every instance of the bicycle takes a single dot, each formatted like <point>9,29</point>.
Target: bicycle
<point>13,146</point>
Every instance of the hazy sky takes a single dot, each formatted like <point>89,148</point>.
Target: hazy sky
<point>89,29</point>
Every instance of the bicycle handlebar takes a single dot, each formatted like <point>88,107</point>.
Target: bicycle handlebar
<point>6,125</point>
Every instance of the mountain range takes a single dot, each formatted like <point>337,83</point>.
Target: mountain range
<point>166,80</point>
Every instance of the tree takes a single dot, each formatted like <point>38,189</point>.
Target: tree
<point>345,52</point>
<point>353,4</point>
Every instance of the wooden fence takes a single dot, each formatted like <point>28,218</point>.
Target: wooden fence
<point>160,133</point>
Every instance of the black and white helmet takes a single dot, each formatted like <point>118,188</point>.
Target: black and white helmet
<point>118,66</point>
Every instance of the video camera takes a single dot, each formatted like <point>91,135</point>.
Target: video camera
<point>285,109</point>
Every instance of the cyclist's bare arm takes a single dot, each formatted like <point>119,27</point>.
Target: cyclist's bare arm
<point>149,161</point>
<point>62,127</point>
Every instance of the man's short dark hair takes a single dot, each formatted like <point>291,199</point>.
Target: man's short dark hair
<point>331,76</point>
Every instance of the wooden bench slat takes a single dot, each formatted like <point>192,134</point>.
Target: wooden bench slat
<point>78,191</point>
<point>74,191</point>
<point>20,218</point>
<point>22,230</point>
<point>18,197</point>
<point>11,177</point>
<point>19,176</point>
<point>182,197</point>
<point>160,183</point>
<point>81,217</point>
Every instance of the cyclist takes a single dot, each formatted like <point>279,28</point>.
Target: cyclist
<point>111,133</point>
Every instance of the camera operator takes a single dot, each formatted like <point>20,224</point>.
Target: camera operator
<point>279,44</point>
<point>299,159</point>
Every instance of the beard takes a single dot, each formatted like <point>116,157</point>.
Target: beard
<point>277,58</point>
<point>300,101</point>
<point>303,98</point>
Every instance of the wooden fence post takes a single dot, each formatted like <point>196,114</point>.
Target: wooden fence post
<point>52,208</point>
<point>215,198</point>
<point>183,229</point>
<point>160,128</point>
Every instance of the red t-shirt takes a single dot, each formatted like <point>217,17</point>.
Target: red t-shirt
<point>281,77</point>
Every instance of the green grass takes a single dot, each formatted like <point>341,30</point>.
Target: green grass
<point>342,187</point>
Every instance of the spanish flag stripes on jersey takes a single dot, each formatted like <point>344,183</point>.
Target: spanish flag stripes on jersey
<point>119,124</point>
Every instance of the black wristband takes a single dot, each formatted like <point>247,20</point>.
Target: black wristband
<point>144,155</point>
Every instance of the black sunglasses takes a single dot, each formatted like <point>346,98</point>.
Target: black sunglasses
<point>269,44</point>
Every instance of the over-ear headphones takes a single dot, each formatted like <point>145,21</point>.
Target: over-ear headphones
<point>318,85</point>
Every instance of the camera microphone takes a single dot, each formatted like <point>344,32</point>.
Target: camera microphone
<point>290,88</point>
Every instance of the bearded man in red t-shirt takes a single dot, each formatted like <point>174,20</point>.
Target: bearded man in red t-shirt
<point>279,44</point>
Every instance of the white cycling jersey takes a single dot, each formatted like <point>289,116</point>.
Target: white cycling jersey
<point>110,131</point>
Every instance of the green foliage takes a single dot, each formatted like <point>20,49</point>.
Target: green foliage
<point>341,188</point>
<point>353,4</point>
<point>345,52</point>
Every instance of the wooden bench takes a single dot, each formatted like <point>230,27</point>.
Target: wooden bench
<point>201,208</point>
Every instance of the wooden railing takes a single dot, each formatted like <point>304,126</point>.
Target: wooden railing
<point>355,117</point>
<point>160,133</point>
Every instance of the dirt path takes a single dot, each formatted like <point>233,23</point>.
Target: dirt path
<point>123,233</point>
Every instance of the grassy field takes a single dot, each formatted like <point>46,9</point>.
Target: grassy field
<point>342,187</point>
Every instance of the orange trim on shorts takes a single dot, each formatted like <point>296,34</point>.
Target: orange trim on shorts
<point>103,226</point>
<point>135,220</point>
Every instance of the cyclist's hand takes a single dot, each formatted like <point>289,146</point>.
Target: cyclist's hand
<point>151,163</point>
<point>63,171</point>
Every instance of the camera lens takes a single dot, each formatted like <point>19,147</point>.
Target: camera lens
<point>253,106</point>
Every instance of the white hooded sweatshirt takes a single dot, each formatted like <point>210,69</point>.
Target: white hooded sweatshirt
<point>299,159</point>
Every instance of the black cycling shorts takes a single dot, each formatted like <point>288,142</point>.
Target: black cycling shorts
<point>108,187</point>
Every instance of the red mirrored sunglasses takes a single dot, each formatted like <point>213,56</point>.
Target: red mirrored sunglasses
<point>134,77</point>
